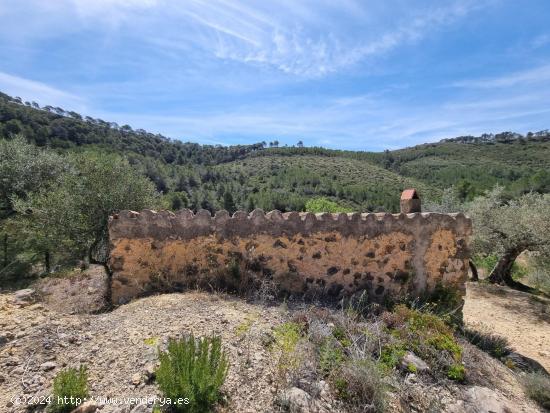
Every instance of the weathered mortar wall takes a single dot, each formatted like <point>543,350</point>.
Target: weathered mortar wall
<point>324,254</point>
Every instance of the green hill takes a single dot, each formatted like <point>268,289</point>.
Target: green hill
<point>286,182</point>
<point>248,176</point>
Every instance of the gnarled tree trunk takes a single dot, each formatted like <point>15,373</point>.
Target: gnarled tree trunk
<point>502,272</point>
<point>473,269</point>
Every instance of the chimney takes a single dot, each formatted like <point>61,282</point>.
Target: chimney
<point>410,202</point>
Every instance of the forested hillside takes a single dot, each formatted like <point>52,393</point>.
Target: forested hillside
<point>267,176</point>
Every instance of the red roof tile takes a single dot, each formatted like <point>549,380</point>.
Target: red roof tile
<point>409,194</point>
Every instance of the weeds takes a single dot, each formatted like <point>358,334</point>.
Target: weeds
<point>537,387</point>
<point>424,334</point>
<point>331,356</point>
<point>359,384</point>
<point>70,388</point>
<point>286,338</point>
<point>194,370</point>
<point>457,372</point>
<point>497,346</point>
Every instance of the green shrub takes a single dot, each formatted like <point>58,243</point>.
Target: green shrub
<point>70,388</point>
<point>457,372</point>
<point>195,370</point>
<point>331,356</point>
<point>391,355</point>
<point>339,334</point>
<point>286,338</point>
<point>537,387</point>
<point>359,384</point>
<point>317,205</point>
<point>497,346</point>
<point>426,335</point>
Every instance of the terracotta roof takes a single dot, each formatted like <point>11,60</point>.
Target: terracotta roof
<point>409,194</point>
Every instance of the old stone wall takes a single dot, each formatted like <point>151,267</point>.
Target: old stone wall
<point>328,255</point>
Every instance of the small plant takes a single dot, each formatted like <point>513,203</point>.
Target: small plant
<point>194,370</point>
<point>317,205</point>
<point>457,372</point>
<point>339,334</point>
<point>331,356</point>
<point>70,389</point>
<point>359,384</point>
<point>497,346</point>
<point>425,334</point>
<point>391,355</point>
<point>411,368</point>
<point>151,341</point>
<point>243,328</point>
<point>537,387</point>
<point>286,338</point>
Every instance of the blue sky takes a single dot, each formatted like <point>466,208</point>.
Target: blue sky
<point>371,74</point>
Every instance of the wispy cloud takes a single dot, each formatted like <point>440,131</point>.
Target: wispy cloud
<point>307,39</point>
<point>535,75</point>
<point>252,36</point>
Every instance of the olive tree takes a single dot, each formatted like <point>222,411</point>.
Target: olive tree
<point>509,227</point>
<point>24,169</point>
<point>74,214</point>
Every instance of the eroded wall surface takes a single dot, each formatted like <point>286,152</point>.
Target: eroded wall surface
<point>323,255</point>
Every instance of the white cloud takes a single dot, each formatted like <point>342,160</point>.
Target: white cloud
<point>302,38</point>
<point>539,74</point>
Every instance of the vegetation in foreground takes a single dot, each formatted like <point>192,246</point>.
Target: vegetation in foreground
<point>192,370</point>
<point>70,388</point>
<point>537,386</point>
<point>361,354</point>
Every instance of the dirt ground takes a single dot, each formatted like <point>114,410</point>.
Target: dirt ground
<point>38,339</point>
<point>521,317</point>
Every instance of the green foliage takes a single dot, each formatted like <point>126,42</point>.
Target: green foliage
<point>75,212</point>
<point>486,262</point>
<point>24,168</point>
<point>228,203</point>
<point>497,346</point>
<point>457,372</point>
<point>287,336</point>
<point>537,386</point>
<point>411,368</point>
<point>70,388</point>
<point>332,184</point>
<point>175,201</point>
<point>425,334</point>
<point>506,228</point>
<point>331,356</point>
<point>193,369</point>
<point>339,334</point>
<point>502,225</point>
<point>324,205</point>
<point>391,355</point>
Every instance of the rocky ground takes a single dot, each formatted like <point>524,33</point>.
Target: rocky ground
<point>42,332</point>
